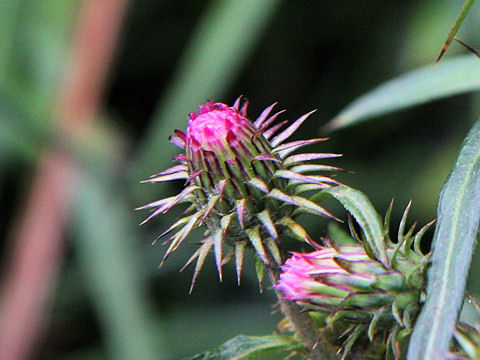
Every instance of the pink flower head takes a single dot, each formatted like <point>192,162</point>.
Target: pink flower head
<point>324,278</point>
<point>218,129</point>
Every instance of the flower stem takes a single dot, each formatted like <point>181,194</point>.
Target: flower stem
<point>303,324</point>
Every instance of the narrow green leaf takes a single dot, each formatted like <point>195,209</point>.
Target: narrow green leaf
<point>364,213</point>
<point>450,77</point>
<point>108,262</point>
<point>456,25</point>
<point>458,215</point>
<point>244,347</point>
<point>8,10</point>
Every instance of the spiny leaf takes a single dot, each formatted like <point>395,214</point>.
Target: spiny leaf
<point>244,347</point>
<point>362,210</point>
<point>453,242</point>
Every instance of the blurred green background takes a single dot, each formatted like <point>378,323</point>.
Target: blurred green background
<point>109,299</point>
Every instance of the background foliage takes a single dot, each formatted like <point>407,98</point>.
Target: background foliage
<point>110,300</point>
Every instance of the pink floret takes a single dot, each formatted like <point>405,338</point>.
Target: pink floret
<point>216,125</point>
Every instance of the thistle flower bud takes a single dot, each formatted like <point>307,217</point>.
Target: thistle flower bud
<point>348,283</point>
<point>242,183</point>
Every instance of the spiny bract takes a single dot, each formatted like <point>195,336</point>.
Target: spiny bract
<point>242,183</point>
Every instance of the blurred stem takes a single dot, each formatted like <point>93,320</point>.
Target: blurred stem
<point>35,259</point>
<point>303,324</point>
<point>38,242</point>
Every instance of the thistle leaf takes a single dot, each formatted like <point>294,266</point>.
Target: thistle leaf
<point>450,77</point>
<point>246,347</point>
<point>453,242</point>
<point>362,210</point>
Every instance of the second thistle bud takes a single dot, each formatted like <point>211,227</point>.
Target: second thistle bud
<point>359,293</point>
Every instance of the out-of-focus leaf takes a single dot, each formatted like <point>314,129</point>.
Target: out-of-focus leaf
<point>366,216</point>
<point>456,25</point>
<point>245,347</point>
<point>15,138</point>
<point>8,14</point>
<point>450,77</point>
<point>453,242</point>
<point>221,43</point>
<point>107,258</point>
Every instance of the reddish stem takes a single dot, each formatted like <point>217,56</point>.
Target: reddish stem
<point>38,240</point>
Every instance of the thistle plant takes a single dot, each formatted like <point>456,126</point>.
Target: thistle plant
<point>242,183</point>
<point>360,293</point>
<point>245,185</point>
